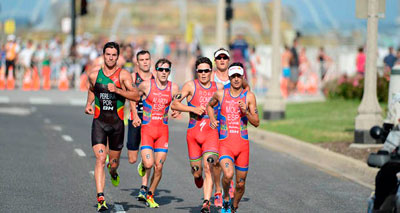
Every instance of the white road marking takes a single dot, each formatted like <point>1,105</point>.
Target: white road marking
<point>91,172</point>
<point>119,208</point>
<point>4,99</point>
<point>67,138</point>
<point>57,128</point>
<point>39,100</point>
<point>78,102</point>
<point>15,111</point>
<point>80,152</point>
<point>47,121</point>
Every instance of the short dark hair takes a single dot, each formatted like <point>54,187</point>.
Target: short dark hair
<point>203,60</point>
<point>111,45</point>
<point>142,52</point>
<point>163,61</point>
<point>236,64</point>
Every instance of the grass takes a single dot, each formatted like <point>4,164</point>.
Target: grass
<point>330,121</point>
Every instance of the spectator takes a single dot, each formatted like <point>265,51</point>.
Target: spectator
<point>360,62</point>
<point>389,60</point>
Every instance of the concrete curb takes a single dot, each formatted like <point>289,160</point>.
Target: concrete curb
<point>331,162</point>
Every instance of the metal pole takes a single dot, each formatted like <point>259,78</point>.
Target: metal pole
<point>369,111</point>
<point>220,26</point>
<point>73,23</point>
<point>274,107</point>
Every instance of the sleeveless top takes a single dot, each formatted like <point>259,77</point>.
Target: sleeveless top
<point>232,121</point>
<point>156,105</point>
<point>201,97</point>
<point>109,106</point>
<point>217,80</point>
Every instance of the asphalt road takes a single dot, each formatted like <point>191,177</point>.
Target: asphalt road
<point>47,164</point>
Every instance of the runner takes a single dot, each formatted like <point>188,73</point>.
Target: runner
<point>109,86</point>
<point>154,133</point>
<point>220,75</point>
<point>238,106</point>
<point>135,119</point>
<point>202,140</point>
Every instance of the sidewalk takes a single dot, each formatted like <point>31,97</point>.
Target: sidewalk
<point>328,161</point>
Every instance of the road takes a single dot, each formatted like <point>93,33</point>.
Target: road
<point>47,166</point>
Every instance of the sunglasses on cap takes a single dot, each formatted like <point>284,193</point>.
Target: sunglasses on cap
<point>222,57</point>
<point>203,70</point>
<point>161,69</point>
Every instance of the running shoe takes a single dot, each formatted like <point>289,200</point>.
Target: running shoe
<point>206,207</point>
<point>142,194</point>
<point>141,170</point>
<point>101,204</point>
<point>226,207</point>
<point>114,178</point>
<point>232,190</point>
<point>218,199</point>
<point>199,181</point>
<point>150,202</point>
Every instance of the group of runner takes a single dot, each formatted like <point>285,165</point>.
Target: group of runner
<point>220,104</point>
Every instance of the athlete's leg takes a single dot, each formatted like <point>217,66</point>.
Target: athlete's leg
<point>196,168</point>
<point>114,161</point>
<point>132,156</point>
<point>240,187</point>
<point>208,182</point>
<point>227,166</point>
<point>99,175</point>
<point>160,158</point>
<point>147,158</point>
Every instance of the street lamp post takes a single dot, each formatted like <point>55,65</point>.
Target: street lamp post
<point>274,107</point>
<point>369,111</point>
<point>221,42</point>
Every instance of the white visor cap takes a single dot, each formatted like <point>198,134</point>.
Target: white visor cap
<point>235,70</point>
<point>219,52</point>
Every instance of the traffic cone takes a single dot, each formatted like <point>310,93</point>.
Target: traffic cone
<point>35,79</point>
<point>27,81</point>
<point>46,78</point>
<point>63,84</point>
<point>2,78</point>
<point>10,79</point>
<point>83,82</point>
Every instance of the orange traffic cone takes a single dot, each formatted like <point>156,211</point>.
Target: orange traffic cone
<point>10,79</point>
<point>2,78</point>
<point>63,84</point>
<point>27,81</point>
<point>35,79</point>
<point>83,83</point>
<point>46,77</point>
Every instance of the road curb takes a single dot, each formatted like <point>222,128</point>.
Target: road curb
<point>331,162</point>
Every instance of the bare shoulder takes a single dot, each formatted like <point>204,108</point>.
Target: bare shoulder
<point>251,95</point>
<point>175,87</point>
<point>125,74</point>
<point>92,73</point>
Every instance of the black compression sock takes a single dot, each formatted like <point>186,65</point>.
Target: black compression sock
<point>144,187</point>
<point>150,193</point>
<point>100,194</point>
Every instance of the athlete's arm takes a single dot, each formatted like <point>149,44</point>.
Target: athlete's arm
<point>132,104</point>
<point>130,92</point>
<point>252,112</point>
<point>210,108</point>
<point>187,90</point>
<point>90,98</point>
<point>175,92</point>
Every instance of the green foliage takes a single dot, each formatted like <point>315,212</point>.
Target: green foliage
<point>352,88</point>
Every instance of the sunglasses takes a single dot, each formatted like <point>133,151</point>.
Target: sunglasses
<point>223,57</point>
<point>160,69</point>
<point>203,70</point>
